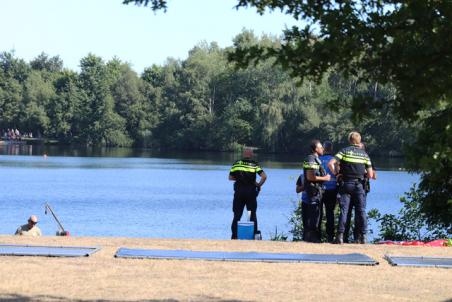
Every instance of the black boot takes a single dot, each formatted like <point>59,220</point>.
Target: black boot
<point>315,237</point>
<point>339,238</point>
<point>362,239</point>
<point>330,238</point>
<point>307,236</point>
<point>312,236</point>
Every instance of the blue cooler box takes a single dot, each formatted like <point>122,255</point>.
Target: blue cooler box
<point>245,230</point>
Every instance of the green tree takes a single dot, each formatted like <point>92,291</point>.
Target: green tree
<point>103,125</point>
<point>13,73</point>
<point>36,97</point>
<point>66,111</point>
<point>130,103</point>
<point>235,126</point>
<point>43,62</point>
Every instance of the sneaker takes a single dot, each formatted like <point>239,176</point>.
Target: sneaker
<point>330,239</point>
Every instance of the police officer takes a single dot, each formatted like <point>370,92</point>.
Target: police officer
<point>299,188</point>
<point>329,197</point>
<point>314,176</point>
<point>246,189</point>
<point>354,164</point>
<point>366,184</point>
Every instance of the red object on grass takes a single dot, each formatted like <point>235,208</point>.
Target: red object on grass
<point>439,242</point>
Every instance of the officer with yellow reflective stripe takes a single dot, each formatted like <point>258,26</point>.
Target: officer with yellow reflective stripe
<point>246,189</point>
<point>314,176</point>
<point>354,164</point>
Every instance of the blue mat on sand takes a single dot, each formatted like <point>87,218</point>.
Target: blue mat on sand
<point>419,261</point>
<point>47,251</point>
<point>358,259</point>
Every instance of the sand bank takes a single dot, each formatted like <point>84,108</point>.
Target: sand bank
<point>103,277</point>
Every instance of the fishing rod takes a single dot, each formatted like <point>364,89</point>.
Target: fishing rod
<point>62,232</point>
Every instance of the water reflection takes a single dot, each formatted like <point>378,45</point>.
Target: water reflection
<point>15,148</point>
<point>197,158</point>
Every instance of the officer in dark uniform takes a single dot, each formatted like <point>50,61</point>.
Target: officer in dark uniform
<point>366,184</point>
<point>314,176</point>
<point>354,164</point>
<point>246,189</point>
<point>299,188</point>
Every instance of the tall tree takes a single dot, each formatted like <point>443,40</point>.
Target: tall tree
<point>37,95</point>
<point>103,124</point>
<point>44,62</point>
<point>128,92</point>
<point>13,73</point>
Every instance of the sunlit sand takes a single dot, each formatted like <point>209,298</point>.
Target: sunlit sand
<point>103,277</point>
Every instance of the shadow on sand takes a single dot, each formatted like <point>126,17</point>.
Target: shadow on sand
<point>49,298</point>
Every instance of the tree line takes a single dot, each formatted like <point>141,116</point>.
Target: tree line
<point>201,103</point>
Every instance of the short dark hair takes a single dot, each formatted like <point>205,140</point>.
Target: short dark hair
<point>314,143</point>
<point>328,146</point>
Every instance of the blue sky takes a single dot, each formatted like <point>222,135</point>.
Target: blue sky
<point>107,28</point>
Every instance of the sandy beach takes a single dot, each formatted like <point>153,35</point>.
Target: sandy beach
<point>101,277</point>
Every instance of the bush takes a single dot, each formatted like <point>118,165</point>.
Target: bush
<point>278,237</point>
<point>410,223</point>
<point>297,223</point>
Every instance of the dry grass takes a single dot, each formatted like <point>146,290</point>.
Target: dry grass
<point>103,277</point>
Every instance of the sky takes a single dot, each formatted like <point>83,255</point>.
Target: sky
<point>73,28</point>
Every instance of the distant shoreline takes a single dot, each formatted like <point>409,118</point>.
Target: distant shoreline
<point>56,143</point>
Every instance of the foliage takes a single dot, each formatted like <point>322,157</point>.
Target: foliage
<point>411,223</point>
<point>201,103</point>
<point>296,220</point>
<point>278,236</point>
<point>154,4</point>
<point>432,155</point>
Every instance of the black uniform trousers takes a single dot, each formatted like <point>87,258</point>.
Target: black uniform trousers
<point>329,199</point>
<point>310,213</point>
<point>244,196</point>
<point>352,191</point>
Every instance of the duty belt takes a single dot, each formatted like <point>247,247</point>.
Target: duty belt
<point>354,179</point>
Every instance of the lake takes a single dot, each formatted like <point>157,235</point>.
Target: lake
<point>138,193</point>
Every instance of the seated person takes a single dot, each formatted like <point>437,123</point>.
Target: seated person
<point>29,229</point>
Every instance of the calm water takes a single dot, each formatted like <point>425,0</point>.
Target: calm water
<point>129,193</point>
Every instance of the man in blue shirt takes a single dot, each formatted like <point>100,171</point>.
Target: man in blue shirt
<point>330,194</point>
